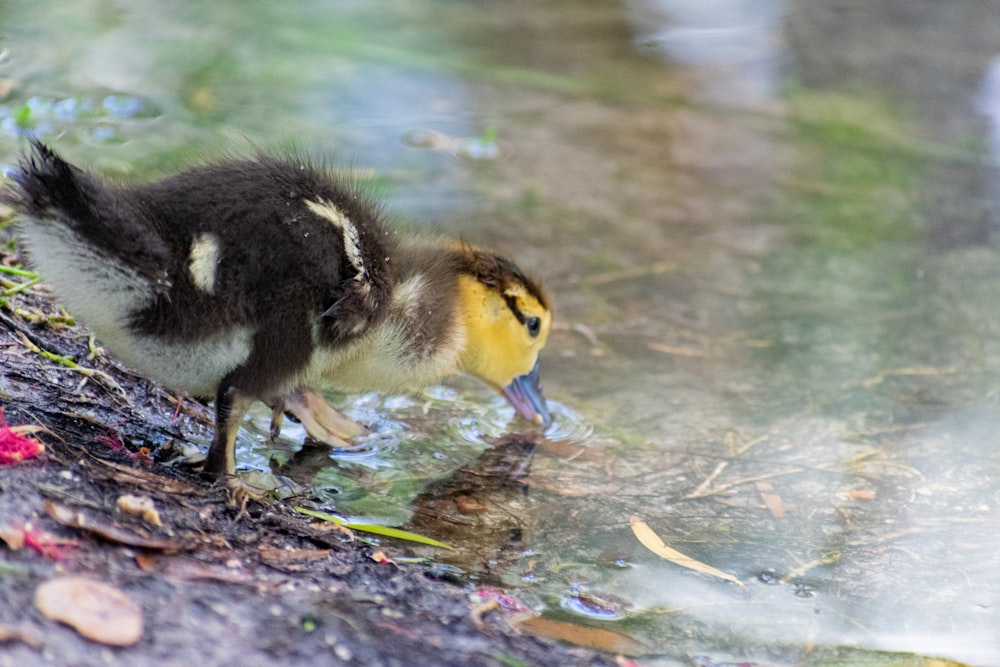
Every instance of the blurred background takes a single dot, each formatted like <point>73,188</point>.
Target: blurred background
<point>769,228</point>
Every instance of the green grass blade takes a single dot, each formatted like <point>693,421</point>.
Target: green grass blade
<point>375,529</point>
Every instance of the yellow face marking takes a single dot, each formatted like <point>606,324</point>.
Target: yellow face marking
<point>518,292</point>
<point>352,240</point>
<point>500,348</point>
<point>202,263</point>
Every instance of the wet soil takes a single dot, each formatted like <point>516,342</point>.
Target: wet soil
<point>216,586</point>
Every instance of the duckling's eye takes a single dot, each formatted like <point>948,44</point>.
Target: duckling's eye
<point>534,326</point>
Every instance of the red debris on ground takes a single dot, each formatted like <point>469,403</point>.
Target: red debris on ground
<point>45,544</point>
<point>111,442</point>
<point>14,447</point>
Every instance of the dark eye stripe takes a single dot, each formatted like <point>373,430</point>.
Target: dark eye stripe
<point>512,304</point>
<point>499,273</point>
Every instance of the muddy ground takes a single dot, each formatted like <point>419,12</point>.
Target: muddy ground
<point>215,586</point>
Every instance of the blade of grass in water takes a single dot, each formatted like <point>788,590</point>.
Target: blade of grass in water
<point>375,529</point>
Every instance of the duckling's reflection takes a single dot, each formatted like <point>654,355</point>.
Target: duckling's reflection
<point>482,509</point>
<point>313,457</point>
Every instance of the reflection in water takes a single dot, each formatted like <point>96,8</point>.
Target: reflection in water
<point>987,103</point>
<point>734,46</point>
<point>482,509</point>
<point>597,607</point>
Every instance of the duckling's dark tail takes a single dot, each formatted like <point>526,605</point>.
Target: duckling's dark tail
<point>45,184</point>
<point>52,193</point>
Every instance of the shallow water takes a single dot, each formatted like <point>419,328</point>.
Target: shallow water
<point>769,230</point>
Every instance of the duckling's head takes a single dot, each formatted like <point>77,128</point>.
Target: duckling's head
<point>507,321</point>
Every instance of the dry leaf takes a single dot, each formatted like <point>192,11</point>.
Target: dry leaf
<point>479,611</point>
<point>107,529</point>
<point>149,480</point>
<point>12,537</point>
<point>146,561</point>
<point>583,635</point>
<point>189,569</point>
<point>775,505</point>
<point>469,505</point>
<point>652,541</point>
<point>20,633</point>
<point>292,560</point>
<point>95,610</point>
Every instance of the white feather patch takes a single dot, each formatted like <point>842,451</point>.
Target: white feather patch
<point>352,240</point>
<point>203,261</point>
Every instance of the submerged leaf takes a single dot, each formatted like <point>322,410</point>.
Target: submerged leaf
<point>375,529</point>
<point>654,543</point>
<point>588,636</point>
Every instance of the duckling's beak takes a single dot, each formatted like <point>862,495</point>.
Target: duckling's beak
<point>525,394</point>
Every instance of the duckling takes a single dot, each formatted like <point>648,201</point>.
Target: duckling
<point>267,279</point>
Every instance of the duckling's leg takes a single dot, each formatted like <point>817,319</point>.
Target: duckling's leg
<point>231,406</point>
<point>320,419</point>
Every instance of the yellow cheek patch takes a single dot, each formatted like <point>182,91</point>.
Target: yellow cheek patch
<point>499,347</point>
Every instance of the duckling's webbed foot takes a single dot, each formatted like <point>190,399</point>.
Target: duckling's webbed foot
<point>241,492</point>
<point>320,419</point>
<point>231,406</point>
